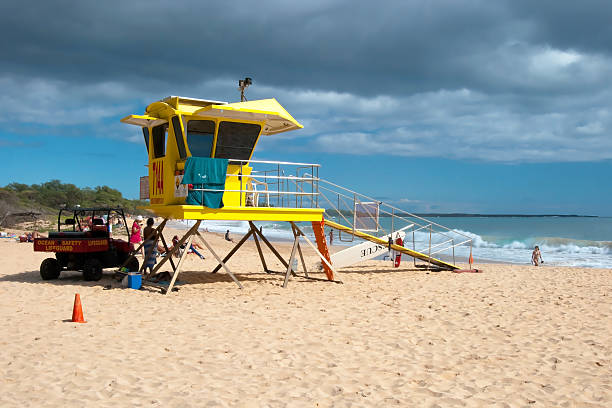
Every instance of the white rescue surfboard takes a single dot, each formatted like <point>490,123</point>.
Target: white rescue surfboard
<point>364,251</point>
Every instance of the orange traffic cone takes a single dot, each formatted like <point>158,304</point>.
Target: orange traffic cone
<point>77,310</point>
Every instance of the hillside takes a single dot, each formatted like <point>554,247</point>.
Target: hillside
<point>46,198</point>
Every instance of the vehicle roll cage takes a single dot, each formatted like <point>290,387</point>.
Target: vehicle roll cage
<point>78,213</point>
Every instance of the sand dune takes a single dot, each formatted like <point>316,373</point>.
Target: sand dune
<point>511,336</point>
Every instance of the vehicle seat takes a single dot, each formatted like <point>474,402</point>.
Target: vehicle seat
<point>68,234</point>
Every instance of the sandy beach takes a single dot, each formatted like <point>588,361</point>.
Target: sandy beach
<point>511,336</point>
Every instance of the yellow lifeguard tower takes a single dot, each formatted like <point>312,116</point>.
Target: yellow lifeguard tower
<point>178,131</point>
<point>176,128</point>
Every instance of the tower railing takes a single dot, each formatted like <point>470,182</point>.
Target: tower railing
<point>275,184</point>
<point>298,185</point>
<point>364,213</point>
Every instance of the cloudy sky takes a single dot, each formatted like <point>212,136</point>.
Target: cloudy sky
<point>435,105</point>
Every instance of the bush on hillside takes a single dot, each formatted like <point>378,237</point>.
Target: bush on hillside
<point>48,197</point>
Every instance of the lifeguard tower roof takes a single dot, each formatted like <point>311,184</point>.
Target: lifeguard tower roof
<point>192,101</point>
<point>268,112</point>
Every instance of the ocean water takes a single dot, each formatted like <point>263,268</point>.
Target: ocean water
<point>563,241</point>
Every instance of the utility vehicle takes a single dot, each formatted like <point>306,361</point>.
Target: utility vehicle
<point>85,241</point>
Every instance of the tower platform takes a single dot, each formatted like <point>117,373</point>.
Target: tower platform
<point>237,213</point>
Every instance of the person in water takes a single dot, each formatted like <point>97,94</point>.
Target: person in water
<point>536,256</point>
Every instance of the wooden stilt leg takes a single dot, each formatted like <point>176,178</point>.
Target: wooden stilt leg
<point>161,236</point>
<point>159,228</point>
<point>191,231</point>
<point>212,251</point>
<point>299,248</point>
<point>291,258</point>
<point>233,251</point>
<point>261,255</point>
<point>309,242</point>
<point>178,267</point>
<point>302,259</point>
<point>274,251</point>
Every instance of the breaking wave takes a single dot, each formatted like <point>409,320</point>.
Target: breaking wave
<point>555,250</point>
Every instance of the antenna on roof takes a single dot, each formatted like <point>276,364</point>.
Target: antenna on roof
<point>242,85</point>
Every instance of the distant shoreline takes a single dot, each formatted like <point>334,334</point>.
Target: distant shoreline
<point>477,215</point>
<point>457,215</point>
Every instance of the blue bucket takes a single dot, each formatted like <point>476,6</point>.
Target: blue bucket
<point>134,280</point>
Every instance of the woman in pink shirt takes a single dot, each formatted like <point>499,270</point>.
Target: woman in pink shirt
<point>136,237</point>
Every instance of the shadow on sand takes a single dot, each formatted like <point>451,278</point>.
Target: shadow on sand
<point>189,277</point>
<point>66,278</point>
<point>108,280</point>
<point>369,269</point>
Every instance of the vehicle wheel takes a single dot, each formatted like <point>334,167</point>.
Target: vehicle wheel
<point>92,270</point>
<point>133,265</point>
<point>50,269</point>
<point>62,259</point>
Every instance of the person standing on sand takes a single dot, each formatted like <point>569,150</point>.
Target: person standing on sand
<point>331,237</point>
<point>135,237</point>
<point>536,256</point>
<point>150,247</point>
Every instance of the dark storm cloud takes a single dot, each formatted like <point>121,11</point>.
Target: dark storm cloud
<point>361,47</point>
<point>582,25</point>
<point>471,78</point>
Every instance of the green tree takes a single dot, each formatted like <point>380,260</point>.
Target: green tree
<point>54,194</point>
<point>17,187</point>
<point>105,195</point>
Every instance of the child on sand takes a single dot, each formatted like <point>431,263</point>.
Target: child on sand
<point>151,247</point>
<point>536,256</point>
<point>192,248</point>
